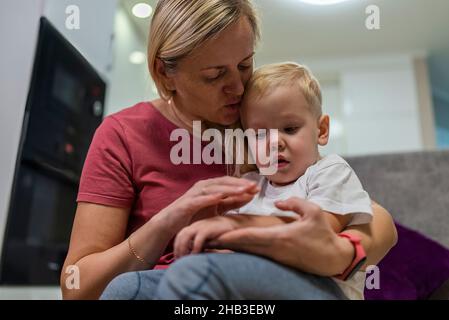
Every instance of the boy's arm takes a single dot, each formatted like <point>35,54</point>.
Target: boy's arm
<point>253,220</point>
<point>338,222</point>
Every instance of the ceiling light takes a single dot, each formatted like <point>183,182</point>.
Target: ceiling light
<point>142,10</point>
<point>323,2</point>
<point>137,57</point>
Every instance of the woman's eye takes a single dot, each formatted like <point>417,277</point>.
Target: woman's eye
<point>211,79</point>
<point>212,76</point>
<point>291,130</point>
<point>244,67</point>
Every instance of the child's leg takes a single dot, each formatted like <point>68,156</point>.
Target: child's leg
<point>139,285</point>
<point>241,276</point>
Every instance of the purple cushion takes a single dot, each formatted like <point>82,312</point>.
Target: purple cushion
<point>412,270</point>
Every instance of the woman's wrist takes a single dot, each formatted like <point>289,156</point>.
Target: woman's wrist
<point>166,224</point>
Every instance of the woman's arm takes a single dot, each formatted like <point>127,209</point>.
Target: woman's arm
<point>98,249</point>
<point>98,246</point>
<point>309,243</point>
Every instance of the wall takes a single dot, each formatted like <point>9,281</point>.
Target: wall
<point>94,39</point>
<point>381,112</point>
<point>439,76</point>
<point>385,103</point>
<point>129,83</point>
<point>19,25</point>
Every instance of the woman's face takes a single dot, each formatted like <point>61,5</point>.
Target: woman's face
<point>209,82</point>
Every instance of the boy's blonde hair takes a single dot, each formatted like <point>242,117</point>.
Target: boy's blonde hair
<point>180,26</point>
<point>276,75</point>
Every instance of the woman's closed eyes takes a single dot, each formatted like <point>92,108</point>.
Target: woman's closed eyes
<point>219,73</point>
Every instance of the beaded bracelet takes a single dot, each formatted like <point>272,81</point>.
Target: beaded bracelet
<point>133,251</point>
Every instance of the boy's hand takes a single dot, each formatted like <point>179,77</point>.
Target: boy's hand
<point>191,239</point>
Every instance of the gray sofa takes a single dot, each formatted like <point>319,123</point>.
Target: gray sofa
<point>414,187</point>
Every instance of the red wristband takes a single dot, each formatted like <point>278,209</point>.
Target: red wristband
<point>359,257</point>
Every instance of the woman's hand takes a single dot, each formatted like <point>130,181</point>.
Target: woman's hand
<point>207,198</point>
<point>309,243</point>
<point>191,239</point>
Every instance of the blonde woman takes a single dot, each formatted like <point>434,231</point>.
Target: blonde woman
<point>133,199</point>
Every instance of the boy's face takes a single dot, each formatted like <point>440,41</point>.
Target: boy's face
<point>300,131</point>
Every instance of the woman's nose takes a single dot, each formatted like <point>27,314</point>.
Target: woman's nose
<point>235,85</point>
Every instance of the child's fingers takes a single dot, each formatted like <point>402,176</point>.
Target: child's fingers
<point>182,243</point>
<point>176,246</point>
<point>302,207</point>
<point>198,243</point>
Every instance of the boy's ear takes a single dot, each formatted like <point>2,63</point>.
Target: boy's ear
<point>162,73</point>
<point>323,126</point>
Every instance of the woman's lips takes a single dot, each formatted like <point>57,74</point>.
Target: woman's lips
<point>233,107</point>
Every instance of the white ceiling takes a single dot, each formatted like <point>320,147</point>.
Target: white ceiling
<point>292,30</point>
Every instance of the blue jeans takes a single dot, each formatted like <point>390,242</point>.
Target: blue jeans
<point>233,276</point>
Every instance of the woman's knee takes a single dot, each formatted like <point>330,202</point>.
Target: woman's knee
<point>123,287</point>
<point>139,285</point>
<point>191,277</point>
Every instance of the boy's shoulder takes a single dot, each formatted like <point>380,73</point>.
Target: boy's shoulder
<point>330,161</point>
<point>328,165</point>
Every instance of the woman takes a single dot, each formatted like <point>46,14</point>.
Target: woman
<point>133,200</point>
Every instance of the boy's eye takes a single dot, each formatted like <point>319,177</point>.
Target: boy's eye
<point>260,135</point>
<point>291,130</point>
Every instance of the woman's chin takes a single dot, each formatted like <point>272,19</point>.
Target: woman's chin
<point>227,120</point>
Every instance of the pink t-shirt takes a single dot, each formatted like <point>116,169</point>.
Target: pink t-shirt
<point>128,165</point>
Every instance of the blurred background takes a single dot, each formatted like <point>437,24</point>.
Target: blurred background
<point>385,86</point>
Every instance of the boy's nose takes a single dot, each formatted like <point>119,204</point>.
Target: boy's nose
<point>281,144</point>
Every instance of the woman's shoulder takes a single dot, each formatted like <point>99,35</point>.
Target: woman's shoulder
<point>141,118</point>
<point>141,125</point>
<point>142,112</point>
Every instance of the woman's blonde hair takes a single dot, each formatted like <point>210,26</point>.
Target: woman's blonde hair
<point>180,26</point>
<point>275,75</point>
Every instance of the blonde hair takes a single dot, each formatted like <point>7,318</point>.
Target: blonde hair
<point>276,75</point>
<point>180,26</point>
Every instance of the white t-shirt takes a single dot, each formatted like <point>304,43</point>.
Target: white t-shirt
<point>331,184</point>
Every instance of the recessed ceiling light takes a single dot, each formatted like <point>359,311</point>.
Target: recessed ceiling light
<point>137,57</point>
<point>142,10</point>
<point>323,2</point>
